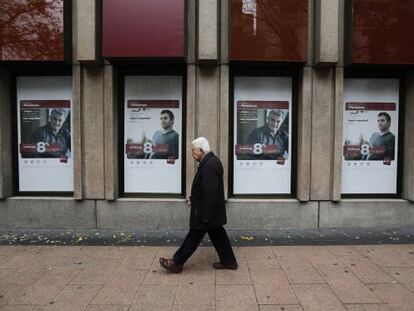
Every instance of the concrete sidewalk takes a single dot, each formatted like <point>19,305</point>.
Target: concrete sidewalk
<point>93,278</point>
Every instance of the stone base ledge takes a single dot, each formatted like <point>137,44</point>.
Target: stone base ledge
<point>47,213</point>
<point>366,213</point>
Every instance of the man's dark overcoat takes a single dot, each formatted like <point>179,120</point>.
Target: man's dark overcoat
<point>207,195</point>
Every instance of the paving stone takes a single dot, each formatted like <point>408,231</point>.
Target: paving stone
<point>258,253</point>
<point>395,295</point>
<point>198,277</point>
<point>236,296</point>
<point>26,275</point>
<point>238,308</point>
<point>272,294</point>
<point>404,252</point>
<point>404,276</point>
<point>286,251</point>
<point>239,251</point>
<point>10,291</point>
<point>195,294</point>
<point>202,259</point>
<point>343,250</point>
<point>47,287</point>
<point>318,297</point>
<point>20,257</point>
<point>149,307</point>
<point>262,264</point>
<point>96,272</point>
<point>121,287</point>
<point>382,256</point>
<point>274,277</point>
<point>280,308</point>
<point>157,275</point>
<point>193,308</point>
<point>8,249</point>
<point>347,286</point>
<point>238,277</point>
<point>21,308</point>
<point>299,270</point>
<point>319,255</point>
<point>106,308</point>
<point>73,298</point>
<point>365,269</point>
<point>139,258</point>
<point>5,273</point>
<point>155,295</point>
<point>62,256</point>
<point>368,307</point>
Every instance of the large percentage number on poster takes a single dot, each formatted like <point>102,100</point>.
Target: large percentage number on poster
<point>257,149</point>
<point>365,149</point>
<point>147,148</point>
<point>41,147</point>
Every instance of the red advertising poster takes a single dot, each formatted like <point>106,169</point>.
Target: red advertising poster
<point>262,135</point>
<point>44,140</point>
<point>262,130</point>
<point>370,136</point>
<point>45,129</point>
<point>152,129</point>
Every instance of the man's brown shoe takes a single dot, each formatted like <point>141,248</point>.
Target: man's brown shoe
<point>231,266</point>
<point>170,265</point>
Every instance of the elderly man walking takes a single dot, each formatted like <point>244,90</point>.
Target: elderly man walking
<point>208,213</point>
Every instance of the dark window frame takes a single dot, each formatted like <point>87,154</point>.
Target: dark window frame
<point>31,71</point>
<point>148,68</point>
<point>383,72</point>
<point>265,69</point>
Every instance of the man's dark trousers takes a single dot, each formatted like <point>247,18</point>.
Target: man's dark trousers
<point>218,237</point>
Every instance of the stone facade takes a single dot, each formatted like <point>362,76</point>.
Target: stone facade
<point>96,201</point>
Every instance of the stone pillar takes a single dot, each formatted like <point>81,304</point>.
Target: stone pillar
<point>191,32</point>
<point>304,134</point>
<point>408,162</point>
<point>208,39</point>
<point>326,45</point>
<point>78,190</point>
<point>336,190</point>
<point>6,154</point>
<point>191,124</point>
<point>88,19</point>
<point>224,117</point>
<point>93,133</point>
<point>323,100</point>
<point>111,135</point>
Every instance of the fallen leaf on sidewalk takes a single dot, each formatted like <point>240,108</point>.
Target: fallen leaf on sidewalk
<point>247,238</point>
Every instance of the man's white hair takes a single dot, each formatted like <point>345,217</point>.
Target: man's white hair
<point>201,143</point>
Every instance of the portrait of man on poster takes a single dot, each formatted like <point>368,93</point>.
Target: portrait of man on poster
<point>53,133</point>
<point>271,134</point>
<point>382,140</point>
<point>166,136</point>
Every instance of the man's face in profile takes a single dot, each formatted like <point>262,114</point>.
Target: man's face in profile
<point>383,125</point>
<point>56,121</point>
<point>274,122</point>
<point>197,154</point>
<point>166,121</point>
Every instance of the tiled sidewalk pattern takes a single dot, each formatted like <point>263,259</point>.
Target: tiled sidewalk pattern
<point>109,278</point>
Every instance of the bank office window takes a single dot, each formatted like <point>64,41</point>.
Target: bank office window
<point>370,136</point>
<point>262,135</point>
<point>44,139</point>
<point>153,131</point>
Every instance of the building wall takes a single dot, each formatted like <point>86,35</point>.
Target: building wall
<point>96,202</point>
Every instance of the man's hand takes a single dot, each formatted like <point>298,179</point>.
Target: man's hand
<point>188,202</point>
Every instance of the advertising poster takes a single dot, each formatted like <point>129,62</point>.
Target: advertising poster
<point>44,134</point>
<point>262,135</point>
<point>370,136</point>
<point>153,123</point>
